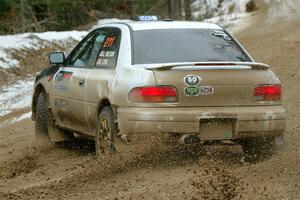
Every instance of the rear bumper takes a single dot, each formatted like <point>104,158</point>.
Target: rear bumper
<point>251,121</point>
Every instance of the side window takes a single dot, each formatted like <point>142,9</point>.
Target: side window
<point>82,54</point>
<point>96,48</point>
<point>109,48</point>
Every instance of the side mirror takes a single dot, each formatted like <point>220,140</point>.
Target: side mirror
<point>57,58</point>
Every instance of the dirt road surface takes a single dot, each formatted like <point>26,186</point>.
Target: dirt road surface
<point>70,171</point>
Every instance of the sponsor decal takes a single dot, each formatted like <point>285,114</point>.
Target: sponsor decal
<point>228,135</point>
<point>99,61</point>
<point>102,54</point>
<point>102,61</point>
<point>61,87</point>
<point>192,80</point>
<point>61,103</point>
<point>206,90</point>
<point>59,76</point>
<point>110,54</point>
<point>63,75</point>
<point>67,75</point>
<point>191,91</point>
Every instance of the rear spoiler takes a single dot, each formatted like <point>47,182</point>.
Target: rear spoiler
<point>210,66</point>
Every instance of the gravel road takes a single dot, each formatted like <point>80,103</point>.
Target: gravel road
<point>70,171</point>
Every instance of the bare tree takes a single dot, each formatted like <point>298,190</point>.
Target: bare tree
<point>175,9</point>
<point>130,8</point>
<point>187,9</point>
<point>23,4</point>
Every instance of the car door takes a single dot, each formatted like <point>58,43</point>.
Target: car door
<point>101,75</point>
<point>68,88</point>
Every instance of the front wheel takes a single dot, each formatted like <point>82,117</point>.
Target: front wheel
<point>41,122</point>
<point>107,141</point>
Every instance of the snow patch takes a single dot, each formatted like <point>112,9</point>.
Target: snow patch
<point>16,119</point>
<point>16,96</point>
<point>233,22</point>
<point>61,36</point>
<point>230,14</point>
<point>213,8</point>
<point>23,117</point>
<point>27,41</point>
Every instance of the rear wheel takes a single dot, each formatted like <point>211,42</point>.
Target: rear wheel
<point>256,149</point>
<point>107,141</point>
<point>41,122</point>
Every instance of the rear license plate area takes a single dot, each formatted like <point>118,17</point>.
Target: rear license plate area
<point>217,128</point>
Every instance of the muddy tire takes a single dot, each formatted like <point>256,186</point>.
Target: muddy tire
<point>106,141</point>
<point>257,149</point>
<point>41,122</point>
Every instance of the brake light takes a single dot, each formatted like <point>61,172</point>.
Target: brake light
<point>268,92</point>
<point>154,94</point>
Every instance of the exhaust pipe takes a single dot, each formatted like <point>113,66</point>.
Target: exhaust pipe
<point>189,139</point>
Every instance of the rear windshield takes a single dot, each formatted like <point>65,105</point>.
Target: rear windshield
<point>185,45</point>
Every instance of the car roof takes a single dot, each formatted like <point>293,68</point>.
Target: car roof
<point>148,25</point>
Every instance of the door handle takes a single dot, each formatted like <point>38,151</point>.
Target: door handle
<point>81,82</point>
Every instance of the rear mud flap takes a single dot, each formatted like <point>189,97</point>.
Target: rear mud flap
<point>55,134</point>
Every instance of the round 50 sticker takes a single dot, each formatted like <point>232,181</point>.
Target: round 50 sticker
<point>192,80</point>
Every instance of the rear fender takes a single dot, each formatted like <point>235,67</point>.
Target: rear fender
<point>126,79</point>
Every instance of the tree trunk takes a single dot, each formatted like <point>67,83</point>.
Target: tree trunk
<point>130,8</point>
<point>174,9</point>
<point>187,10</point>
<point>23,4</point>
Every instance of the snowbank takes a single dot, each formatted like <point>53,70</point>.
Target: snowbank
<point>16,96</point>
<point>211,7</point>
<point>228,15</point>
<point>27,41</point>
<point>16,119</point>
<point>233,22</point>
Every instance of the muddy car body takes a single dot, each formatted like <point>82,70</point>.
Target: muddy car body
<point>186,78</point>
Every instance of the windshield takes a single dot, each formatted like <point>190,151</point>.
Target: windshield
<point>185,45</point>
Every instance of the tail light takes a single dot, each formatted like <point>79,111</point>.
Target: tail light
<point>268,92</point>
<point>153,94</point>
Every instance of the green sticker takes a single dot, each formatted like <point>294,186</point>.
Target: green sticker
<point>191,91</point>
<point>228,135</point>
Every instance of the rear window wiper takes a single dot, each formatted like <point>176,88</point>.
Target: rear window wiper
<point>221,35</point>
